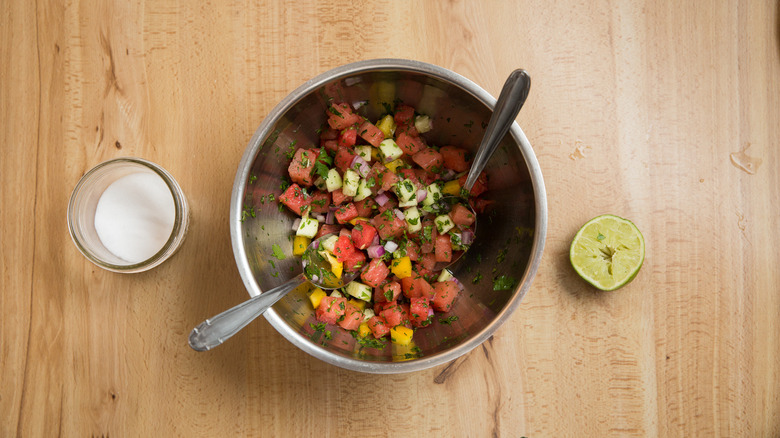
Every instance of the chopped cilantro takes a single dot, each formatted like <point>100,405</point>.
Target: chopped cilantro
<point>504,282</point>
<point>278,252</point>
<point>477,278</point>
<point>448,320</point>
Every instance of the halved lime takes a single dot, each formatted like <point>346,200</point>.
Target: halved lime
<point>607,252</point>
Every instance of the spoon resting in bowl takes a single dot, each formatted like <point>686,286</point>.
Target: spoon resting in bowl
<point>316,270</point>
<point>512,97</point>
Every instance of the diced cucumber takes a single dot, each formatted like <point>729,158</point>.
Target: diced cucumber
<point>443,223</point>
<point>422,123</point>
<point>333,181</point>
<point>364,152</point>
<point>406,190</point>
<point>330,243</point>
<point>368,313</point>
<point>433,196</point>
<point>308,227</point>
<point>390,150</point>
<point>410,203</point>
<point>444,276</point>
<point>320,183</point>
<point>336,294</point>
<point>455,241</point>
<point>363,191</point>
<point>359,290</point>
<point>350,182</point>
<point>413,222</point>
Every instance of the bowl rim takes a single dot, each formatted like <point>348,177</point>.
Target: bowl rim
<point>253,148</point>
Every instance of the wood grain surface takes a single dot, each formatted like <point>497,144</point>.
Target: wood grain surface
<point>664,112</point>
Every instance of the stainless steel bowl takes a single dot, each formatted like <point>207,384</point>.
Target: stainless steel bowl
<point>510,238</point>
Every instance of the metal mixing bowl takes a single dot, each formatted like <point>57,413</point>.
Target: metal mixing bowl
<point>510,235</point>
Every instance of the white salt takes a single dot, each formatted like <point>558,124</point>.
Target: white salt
<point>134,216</point>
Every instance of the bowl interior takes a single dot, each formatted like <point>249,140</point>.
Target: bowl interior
<point>495,272</point>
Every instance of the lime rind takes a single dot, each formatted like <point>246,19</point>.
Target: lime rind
<point>607,252</point>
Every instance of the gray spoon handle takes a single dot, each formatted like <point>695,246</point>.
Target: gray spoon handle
<point>216,330</point>
<point>511,99</point>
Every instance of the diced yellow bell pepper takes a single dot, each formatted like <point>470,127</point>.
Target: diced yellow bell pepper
<point>375,154</point>
<point>401,335</point>
<point>363,330</point>
<point>316,295</point>
<point>401,267</point>
<point>359,304</point>
<point>451,188</point>
<point>300,243</point>
<point>394,165</point>
<point>336,266</point>
<point>387,126</point>
<point>354,221</point>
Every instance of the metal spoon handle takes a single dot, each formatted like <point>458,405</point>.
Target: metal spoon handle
<point>214,331</point>
<point>509,102</point>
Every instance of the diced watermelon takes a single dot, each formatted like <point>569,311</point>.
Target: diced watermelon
<point>480,205</point>
<point>388,225</point>
<point>347,137</point>
<point>412,250</point>
<point>301,166</point>
<point>295,199</point>
<point>339,197</point>
<point>418,287</point>
<point>387,292</point>
<point>344,157</point>
<point>320,202</point>
<point>340,116</point>
<point>355,261</point>
<point>371,133</point>
<point>393,315</point>
<point>428,159</point>
<point>388,179</point>
<point>375,273</point>
<point>326,229</point>
<point>363,234</point>
<point>352,318</point>
<point>480,185</point>
<point>407,128</point>
<point>456,159</point>
<point>403,113</point>
<point>378,326</point>
<point>443,248</point>
<point>410,145</point>
<point>331,145</point>
<point>418,311</point>
<point>331,309</point>
<point>445,292</point>
<point>366,207</point>
<point>346,213</point>
<point>343,249</point>
<point>461,215</point>
<point>428,261</point>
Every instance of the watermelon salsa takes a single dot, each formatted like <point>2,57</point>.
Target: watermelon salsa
<point>376,188</point>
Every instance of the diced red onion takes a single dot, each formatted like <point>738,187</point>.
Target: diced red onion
<point>375,240</point>
<point>320,218</point>
<point>421,195</point>
<point>375,251</point>
<point>430,311</point>
<point>399,214</point>
<point>330,218</point>
<point>391,246</point>
<point>448,175</point>
<point>315,245</point>
<point>296,224</point>
<point>382,199</point>
<point>360,165</point>
<point>466,237</point>
<point>315,278</point>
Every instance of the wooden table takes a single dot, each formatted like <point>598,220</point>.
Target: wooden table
<point>664,112</point>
